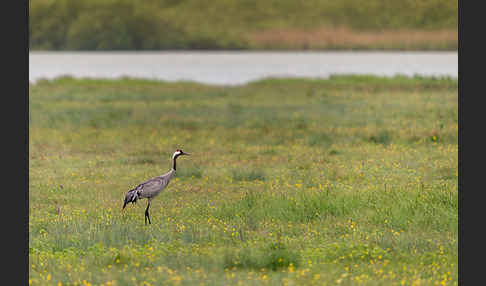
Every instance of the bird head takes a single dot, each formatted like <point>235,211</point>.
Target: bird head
<point>179,152</point>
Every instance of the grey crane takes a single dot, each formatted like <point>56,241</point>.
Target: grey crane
<point>151,188</point>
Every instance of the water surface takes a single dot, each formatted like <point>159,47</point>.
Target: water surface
<point>230,68</point>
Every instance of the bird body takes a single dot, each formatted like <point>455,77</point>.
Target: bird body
<point>151,188</point>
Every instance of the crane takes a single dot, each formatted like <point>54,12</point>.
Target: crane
<point>151,188</point>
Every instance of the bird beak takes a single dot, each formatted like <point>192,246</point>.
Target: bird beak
<point>185,153</point>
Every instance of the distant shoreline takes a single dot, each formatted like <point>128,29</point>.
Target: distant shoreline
<point>243,25</point>
<point>323,39</point>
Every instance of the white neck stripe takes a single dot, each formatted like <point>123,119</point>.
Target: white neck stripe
<point>175,154</point>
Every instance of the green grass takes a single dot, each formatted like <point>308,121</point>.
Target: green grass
<point>248,24</point>
<point>349,180</point>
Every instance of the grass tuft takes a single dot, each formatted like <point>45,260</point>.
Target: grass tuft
<point>248,175</point>
<point>273,256</point>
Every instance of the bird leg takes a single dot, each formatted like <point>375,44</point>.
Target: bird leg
<point>147,213</point>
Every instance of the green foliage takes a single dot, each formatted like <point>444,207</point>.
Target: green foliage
<point>273,256</point>
<point>190,172</point>
<point>320,139</point>
<point>248,175</point>
<point>383,137</point>
<point>168,24</point>
<point>402,14</point>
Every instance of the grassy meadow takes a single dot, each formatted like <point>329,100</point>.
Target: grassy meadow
<point>350,180</point>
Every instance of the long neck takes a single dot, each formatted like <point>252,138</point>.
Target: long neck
<point>174,163</point>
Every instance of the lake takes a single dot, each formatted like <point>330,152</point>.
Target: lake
<point>238,67</point>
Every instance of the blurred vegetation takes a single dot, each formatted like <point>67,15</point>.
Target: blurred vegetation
<point>249,24</point>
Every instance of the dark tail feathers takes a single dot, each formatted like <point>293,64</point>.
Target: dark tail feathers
<point>131,197</point>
